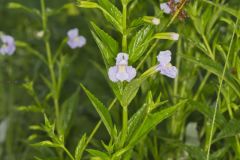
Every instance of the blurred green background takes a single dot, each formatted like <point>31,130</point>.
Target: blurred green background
<point>24,67</point>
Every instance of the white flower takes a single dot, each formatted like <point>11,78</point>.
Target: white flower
<point>175,36</point>
<point>74,40</point>
<point>156,21</point>
<point>165,8</point>
<point>165,67</point>
<point>121,72</point>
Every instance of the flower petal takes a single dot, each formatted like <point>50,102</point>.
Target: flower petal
<point>165,8</point>
<point>169,71</point>
<point>81,41</point>
<point>112,72</point>
<point>8,46</point>
<point>164,57</point>
<point>7,39</point>
<point>131,73</point>
<point>72,33</point>
<point>122,59</point>
<point>72,43</point>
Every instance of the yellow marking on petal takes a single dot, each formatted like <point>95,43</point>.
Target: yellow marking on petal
<point>122,68</point>
<point>168,65</point>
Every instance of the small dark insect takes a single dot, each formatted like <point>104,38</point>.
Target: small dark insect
<point>176,6</point>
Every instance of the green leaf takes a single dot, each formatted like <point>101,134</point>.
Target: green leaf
<point>98,154</point>
<point>232,128</point>
<point>114,86</point>
<point>208,112</point>
<point>111,13</point>
<point>136,120</point>
<point>216,69</point>
<point>46,144</point>
<point>107,45</point>
<point>67,111</point>
<point>220,153</point>
<point>152,120</point>
<point>29,109</point>
<point>195,153</point>
<point>131,88</point>
<point>140,43</point>
<point>101,109</point>
<point>80,147</point>
<point>87,4</point>
<point>14,5</point>
<point>229,10</point>
<point>136,23</point>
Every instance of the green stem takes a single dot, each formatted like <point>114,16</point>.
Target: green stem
<point>97,126</point>
<point>68,153</point>
<point>203,82</point>
<point>218,96</point>
<point>208,47</point>
<point>147,54</point>
<point>124,38</point>
<point>124,125</point>
<point>54,88</point>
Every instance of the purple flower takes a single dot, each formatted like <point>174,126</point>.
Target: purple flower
<point>74,40</point>
<point>165,8</point>
<point>7,45</point>
<point>165,67</point>
<point>121,72</point>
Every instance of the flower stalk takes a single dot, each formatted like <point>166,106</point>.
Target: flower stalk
<point>54,87</point>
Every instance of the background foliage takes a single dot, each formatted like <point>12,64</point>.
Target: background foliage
<point>209,40</point>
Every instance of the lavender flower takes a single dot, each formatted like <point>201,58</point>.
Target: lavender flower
<point>74,40</point>
<point>121,72</point>
<point>7,45</point>
<point>165,67</point>
<point>165,8</point>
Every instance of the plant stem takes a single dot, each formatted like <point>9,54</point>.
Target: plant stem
<point>208,47</point>
<point>147,54</point>
<point>203,82</point>
<point>54,87</point>
<point>218,96</point>
<point>124,125</point>
<point>124,38</point>
<point>98,125</point>
<point>124,48</point>
<point>68,153</point>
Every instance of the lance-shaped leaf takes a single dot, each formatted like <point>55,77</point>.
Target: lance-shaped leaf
<point>107,45</point>
<point>80,147</point>
<point>152,120</point>
<point>131,88</point>
<point>46,144</point>
<point>98,154</point>
<point>87,4</point>
<point>111,13</point>
<point>101,109</point>
<point>67,111</point>
<point>136,120</point>
<point>140,43</point>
